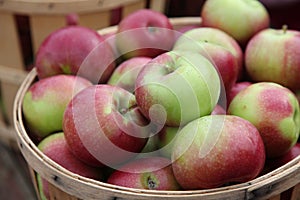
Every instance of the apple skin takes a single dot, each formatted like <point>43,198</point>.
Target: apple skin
<point>103,126</point>
<point>215,150</point>
<point>242,23</point>
<point>281,65</point>
<point>236,88</point>
<point>214,36</point>
<point>55,147</point>
<point>46,100</point>
<point>125,74</point>
<point>166,140</point>
<point>144,33</point>
<point>177,87</point>
<point>222,58</point>
<point>153,173</point>
<point>75,50</point>
<point>218,110</point>
<point>274,111</point>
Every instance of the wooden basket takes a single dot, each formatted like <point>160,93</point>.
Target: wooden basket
<point>44,17</point>
<point>67,185</point>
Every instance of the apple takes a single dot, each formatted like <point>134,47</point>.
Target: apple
<point>144,32</point>
<point>46,100</point>
<point>177,87</point>
<point>104,127</point>
<point>125,74</point>
<point>166,140</point>
<point>222,58</point>
<point>236,88</point>
<point>72,19</point>
<point>218,110</point>
<point>153,173</point>
<point>241,19</point>
<point>75,50</point>
<point>42,187</point>
<point>274,111</point>
<point>293,153</point>
<point>55,147</point>
<point>281,64</point>
<point>215,150</point>
<point>213,36</point>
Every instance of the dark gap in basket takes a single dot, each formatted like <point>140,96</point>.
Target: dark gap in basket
<point>25,40</point>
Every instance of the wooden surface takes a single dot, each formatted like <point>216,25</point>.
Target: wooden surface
<point>15,182</point>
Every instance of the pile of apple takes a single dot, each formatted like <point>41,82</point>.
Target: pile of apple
<point>151,107</point>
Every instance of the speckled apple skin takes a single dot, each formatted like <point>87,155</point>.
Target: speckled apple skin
<point>274,111</point>
<point>152,173</point>
<point>98,131</point>
<point>243,22</point>
<point>75,50</point>
<point>273,55</point>
<point>144,33</point>
<point>185,85</point>
<point>218,37</point>
<point>224,61</point>
<point>45,101</point>
<point>216,150</point>
<point>126,73</point>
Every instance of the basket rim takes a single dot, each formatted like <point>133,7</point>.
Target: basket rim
<point>73,183</point>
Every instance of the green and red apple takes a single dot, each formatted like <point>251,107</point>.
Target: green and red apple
<point>177,87</point>
<point>46,100</point>
<point>103,126</point>
<point>215,150</point>
<point>273,55</point>
<point>125,74</point>
<point>241,19</point>
<point>153,173</point>
<point>274,111</point>
<point>212,36</point>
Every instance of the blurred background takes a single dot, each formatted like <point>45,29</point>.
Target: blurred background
<point>18,30</point>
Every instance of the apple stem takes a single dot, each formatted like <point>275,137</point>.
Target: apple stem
<point>284,28</point>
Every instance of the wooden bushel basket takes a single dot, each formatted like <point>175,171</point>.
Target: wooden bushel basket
<point>282,183</point>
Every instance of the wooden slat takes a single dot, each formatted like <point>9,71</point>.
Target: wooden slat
<point>133,7</point>
<point>52,7</point>
<point>42,25</point>
<point>296,193</point>
<point>158,5</point>
<point>95,20</point>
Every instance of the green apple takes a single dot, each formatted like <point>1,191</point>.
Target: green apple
<point>177,87</point>
<point>215,150</point>
<point>241,19</point>
<point>264,62</point>
<point>273,110</point>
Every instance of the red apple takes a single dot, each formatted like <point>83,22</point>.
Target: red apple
<point>218,110</point>
<point>55,147</point>
<point>75,50</point>
<point>153,173</point>
<point>46,100</point>
<point>215,150</point>
<point>274,111</point>
<point>281,64</point>
<point>241,19</point>
<point>144,33</point>
<point>103,126</point>
<point>125,74</point>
